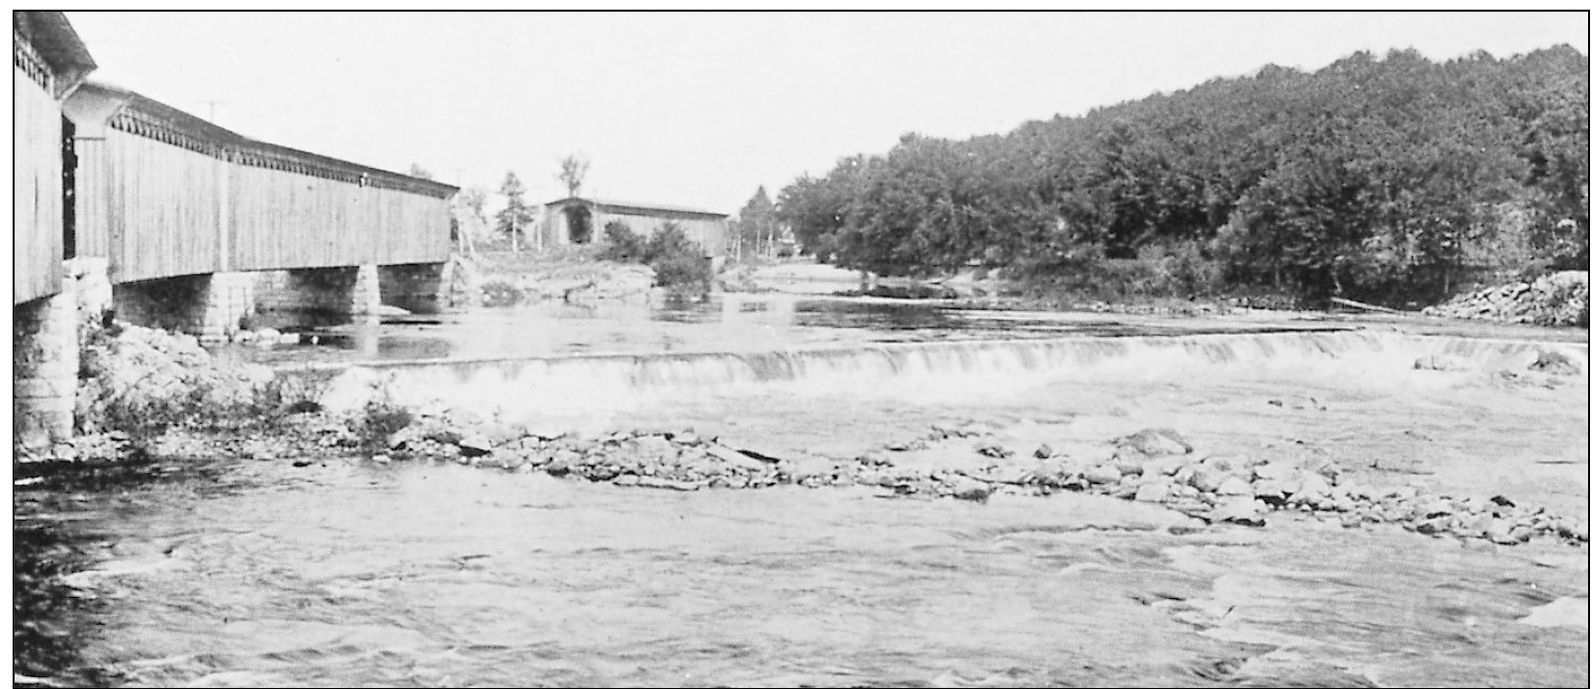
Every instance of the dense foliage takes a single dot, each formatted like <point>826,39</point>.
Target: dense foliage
<point>1384,179</point>
<point>676,260</point>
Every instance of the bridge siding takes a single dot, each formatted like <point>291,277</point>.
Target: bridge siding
<point>164,209</point>
<point>36,190</point>
<point>159,210</point>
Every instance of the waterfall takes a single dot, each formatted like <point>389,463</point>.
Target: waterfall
<point>913,370</point>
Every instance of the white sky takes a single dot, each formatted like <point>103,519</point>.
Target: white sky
<point>700,109</point>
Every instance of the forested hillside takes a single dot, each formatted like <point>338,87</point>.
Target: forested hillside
<point>1393,179</point>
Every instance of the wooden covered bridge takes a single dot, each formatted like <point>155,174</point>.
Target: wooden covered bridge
<point>191,226</point>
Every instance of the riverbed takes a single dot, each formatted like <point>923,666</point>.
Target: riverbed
<point>350,572</point>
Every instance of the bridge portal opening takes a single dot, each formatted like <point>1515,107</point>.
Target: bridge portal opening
<point>68,189</point>
<point>578,219</point>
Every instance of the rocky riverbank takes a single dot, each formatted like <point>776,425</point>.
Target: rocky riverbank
<point>969,462</point>
<point>1557,299</point>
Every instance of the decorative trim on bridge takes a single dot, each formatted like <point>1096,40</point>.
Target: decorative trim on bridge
<point>29,61</point>
<point>152,119</point>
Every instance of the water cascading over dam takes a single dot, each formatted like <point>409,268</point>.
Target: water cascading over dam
<point>568,385</point>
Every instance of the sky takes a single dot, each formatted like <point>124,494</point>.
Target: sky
<point>700,109</point>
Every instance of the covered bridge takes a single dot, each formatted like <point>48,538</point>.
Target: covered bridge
<point>49,61</point>
<point>162,193</point>
<point>581,221</point>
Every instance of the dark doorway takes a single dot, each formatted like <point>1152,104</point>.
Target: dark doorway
<point>579,220</point>
<point>68,189</point>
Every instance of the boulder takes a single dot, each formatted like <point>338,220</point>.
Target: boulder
<point>1155,442</point>
<point>475,445</point>
<point>1103,474</point>
<point>1235,486</point>
<point>1239,510</point>
<point>1153,491</point>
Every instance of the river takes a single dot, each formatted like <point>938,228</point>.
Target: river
<point>354,573</point>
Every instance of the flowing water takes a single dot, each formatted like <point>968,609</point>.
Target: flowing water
<point>353,573</point>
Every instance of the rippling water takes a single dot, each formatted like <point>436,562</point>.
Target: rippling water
<point>445,575</point>
<point>347,572</point>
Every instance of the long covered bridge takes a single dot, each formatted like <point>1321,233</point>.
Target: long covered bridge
<point>124,203</point>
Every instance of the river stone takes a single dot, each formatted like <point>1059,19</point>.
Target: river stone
<point>1126,488</point>
<point>994,450</point>
<point>671,484</point>
<point>1235,485</point>
<point>626,480</point>
<point>1043,452</point>
<point>1163,466</point>
<point>966,488</point>
<point>1155,442</point>
<point>1270,491</point>
<point>1129,463</point>
<point>475,445</point>
<point>1239,510</point>
<point>1433,507</point>
<point>1154,491</point>
<point>1275,471</point>
<point>1313,490</point>
<point>1502,531</point>
<point>1103,474</point>
<point>687,437</point>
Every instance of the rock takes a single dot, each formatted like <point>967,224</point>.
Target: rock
<point>1130,463</point>
<point>965,488</point>
<point>1502,531</point>
<point>670,484</point>
<point>1433,507</point>
<point>1103,474</point>
<point>1433,526</point>
<point>1043,452</point>
<point>994,450</point>
<point>475,445</point>
<point>1155,491</point>
<point>1163,466</point>
<point>687,437</point>
<point>381,459</point>
<point>1239,510</point>
<point>1155,442</point>
<point>1270,491</point>
<point>1009,475</point>
<point>1236,486</point>
<point>1275,471</point>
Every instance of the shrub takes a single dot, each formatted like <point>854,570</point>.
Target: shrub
<point>677,261</point>
<point>623,245</point>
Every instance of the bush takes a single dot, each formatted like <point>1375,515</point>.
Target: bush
<point>676,260</point>
<point>623,245</point>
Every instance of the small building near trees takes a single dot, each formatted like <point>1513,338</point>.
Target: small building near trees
<point>577,220</point>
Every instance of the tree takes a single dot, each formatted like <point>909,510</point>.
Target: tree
<point>572,170</point>
<point>756,225</point>
<point>417,171</point>
<point>515,217</point>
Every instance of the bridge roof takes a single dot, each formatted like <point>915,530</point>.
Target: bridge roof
<point>54,39</point>
<point>146,116</point>
<point>640,208</point>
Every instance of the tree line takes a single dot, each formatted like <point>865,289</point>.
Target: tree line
<point>1386,179</point>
